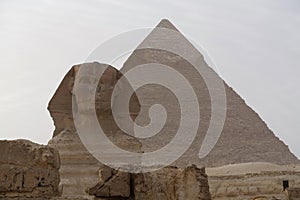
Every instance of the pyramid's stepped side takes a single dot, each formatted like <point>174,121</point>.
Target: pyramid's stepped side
<point>245,136</point>
<point>79,169</point>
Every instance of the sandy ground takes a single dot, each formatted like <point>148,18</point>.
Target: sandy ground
<point>244,168</point>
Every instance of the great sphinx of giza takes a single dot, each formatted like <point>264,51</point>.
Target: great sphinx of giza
<point>244,137</point>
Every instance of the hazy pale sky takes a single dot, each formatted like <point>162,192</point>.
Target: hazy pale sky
<point>254,44</point>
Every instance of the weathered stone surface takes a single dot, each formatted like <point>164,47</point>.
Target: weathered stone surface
<point>172,183</point>
<point>79,169</point>
<point>265,184</point>
<point>265,198</point>
<point>28,170</point>
<point>293,193</point>
<point>245,136</point>
<point>112,183</point>
<point>60,106</point>
<point>169,183</point>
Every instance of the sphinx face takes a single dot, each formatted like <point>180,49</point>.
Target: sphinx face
<point>84,90</point>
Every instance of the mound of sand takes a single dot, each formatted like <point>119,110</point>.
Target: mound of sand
<point>253,167</point>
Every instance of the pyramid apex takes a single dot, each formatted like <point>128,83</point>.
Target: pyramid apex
<point>165,23</point>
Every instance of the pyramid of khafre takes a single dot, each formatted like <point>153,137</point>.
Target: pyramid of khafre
<point>245,137</point>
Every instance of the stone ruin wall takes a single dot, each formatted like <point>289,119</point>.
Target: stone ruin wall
<point>31,171</point>
<point>28,170</point>
<point>252,185</point>
<point>166,183</point>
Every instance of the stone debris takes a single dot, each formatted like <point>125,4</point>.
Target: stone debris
<point>167,183</point>
<point>172,183</point>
